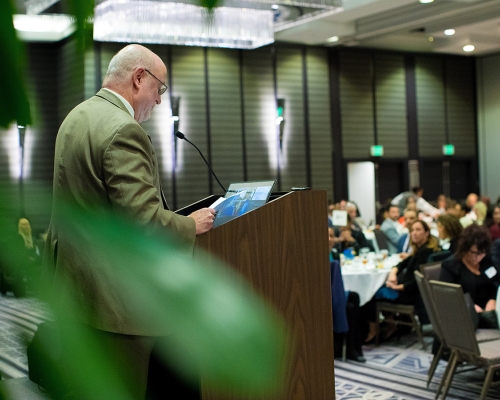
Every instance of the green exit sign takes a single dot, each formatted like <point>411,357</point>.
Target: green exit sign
<point>448,149</point>
<point>377,150</point>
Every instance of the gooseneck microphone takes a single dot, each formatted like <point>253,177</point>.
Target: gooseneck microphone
<point>180,135</point>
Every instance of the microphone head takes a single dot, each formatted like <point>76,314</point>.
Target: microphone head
<point>179,134</point>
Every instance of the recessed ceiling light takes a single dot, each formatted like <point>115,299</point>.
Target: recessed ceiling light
<point>426,1</point>
<point>333,39</point>
<point>431,38</point>
<point>468,47</point>
<point>275,6</point>
<point>449,32</point>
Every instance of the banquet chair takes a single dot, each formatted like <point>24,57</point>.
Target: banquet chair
<point>439,256</point>
<point>452,312</point>
<point>482,335</point>
<point>425,293</point>
<point>431,270</point>
<point>402,309</point>
<point>381,239</point>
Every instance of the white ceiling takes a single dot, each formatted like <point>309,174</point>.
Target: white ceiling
<point>406,25</point>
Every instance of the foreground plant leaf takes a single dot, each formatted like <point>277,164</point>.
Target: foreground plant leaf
<point>14,105</point>
<point>217,325</point>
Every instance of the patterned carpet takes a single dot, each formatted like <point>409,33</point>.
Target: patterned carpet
<point>396,370</point>
<point>19,318</point>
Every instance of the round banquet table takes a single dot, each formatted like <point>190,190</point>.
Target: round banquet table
<point>366,280</point>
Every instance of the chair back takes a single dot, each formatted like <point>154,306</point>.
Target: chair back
<point>456,323</point>
<point>381,239</point>
<point>426,294</point>
<point>439,256</point>
<point>431,271</point>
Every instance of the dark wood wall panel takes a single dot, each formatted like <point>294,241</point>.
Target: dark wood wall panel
<point>356,104</point>
<point>188,75</point>
<point>392,129</point>
<point>320,126</point>
<point>461,106</point>
<point>260,114</point>
<point>430,106</point>
<point>44,89</point>
<point>290,87</point>
<point>225,116</point>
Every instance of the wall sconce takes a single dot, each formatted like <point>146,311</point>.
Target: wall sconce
<point>280,120</point>
<point>174,119</point>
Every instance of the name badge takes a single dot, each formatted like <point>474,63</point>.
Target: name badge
<point>490,272</point>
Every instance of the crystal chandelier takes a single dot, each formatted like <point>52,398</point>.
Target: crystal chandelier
<point>183,24</point>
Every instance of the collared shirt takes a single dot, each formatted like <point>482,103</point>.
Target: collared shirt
<point>127,104</point>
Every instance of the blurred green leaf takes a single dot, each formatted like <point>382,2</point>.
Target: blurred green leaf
<point>217,324</point>
<point>14,105</point>
<point>83,10</point>
<point>210,4</point>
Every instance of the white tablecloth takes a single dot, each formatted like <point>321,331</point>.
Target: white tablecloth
<point>366,281</point>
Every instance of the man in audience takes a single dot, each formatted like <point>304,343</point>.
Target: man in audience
<point>404,248</point>
<point>391,228</point>
<point>423,205</point>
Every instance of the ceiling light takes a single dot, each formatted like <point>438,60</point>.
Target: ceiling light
<point>468,48</point>
<point>431,38</point>
<point>275,6</point>
<point>449,32</point>
<point>333,39</point>
<point>426,1</point>
<point>43,28</point>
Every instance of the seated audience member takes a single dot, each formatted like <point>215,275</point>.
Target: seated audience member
<point>441,203</point>
<point>449,229</point>
<point>401,286</point>
<point>495,225</point>
<point>460,213</point>
<point>345,307</point>
<point>23,271</point>
<point>352,210</point>
<point>391,228</point>
<point>495,257</point>
<point>404,247</point>
<point>330,208</point>
<point>472,269</point>
<point>471,200</point>
<point>480,210</point>
<point>417,192</point>
<point>350,237</point>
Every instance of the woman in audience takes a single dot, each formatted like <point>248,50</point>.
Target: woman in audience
<point>495,226</point>
<point>480,210</point>
<point>401,286</point>
<point>472,269</point>
<point>450,229</point>
<point>441,203</point>
<point>345,307</point>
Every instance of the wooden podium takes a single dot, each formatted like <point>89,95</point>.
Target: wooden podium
<point>281,248</point>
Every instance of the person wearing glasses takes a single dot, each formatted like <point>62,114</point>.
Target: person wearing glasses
<point>104,159</point>
<point>472,268</point>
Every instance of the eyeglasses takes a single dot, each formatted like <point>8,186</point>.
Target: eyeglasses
<point>163,88</point>
<point>477,253</point>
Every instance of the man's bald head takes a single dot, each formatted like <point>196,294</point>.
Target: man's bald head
<point>125,61</point>
<point>138,75</point>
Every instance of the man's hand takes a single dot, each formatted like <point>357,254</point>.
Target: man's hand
<point>204,219</point>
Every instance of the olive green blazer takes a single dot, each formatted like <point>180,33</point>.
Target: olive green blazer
<point>105,160</point>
